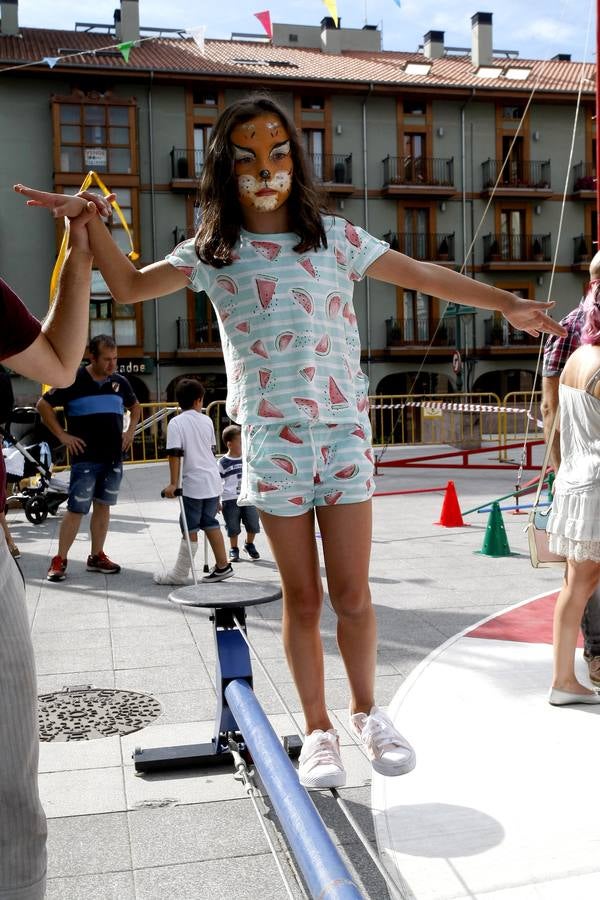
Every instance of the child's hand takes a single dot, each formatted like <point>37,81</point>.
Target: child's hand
<point>169,491</point>
<point>64,204</point>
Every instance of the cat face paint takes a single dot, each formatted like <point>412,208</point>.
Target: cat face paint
<point>263,162</point>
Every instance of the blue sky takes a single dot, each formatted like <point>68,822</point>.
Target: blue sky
<point>554,26</point>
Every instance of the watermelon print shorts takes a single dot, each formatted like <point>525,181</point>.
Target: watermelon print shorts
<point>289,469</point>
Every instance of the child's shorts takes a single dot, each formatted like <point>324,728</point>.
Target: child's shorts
<point>289,469</point>
<point>200,515</point>
<point>235,516</point>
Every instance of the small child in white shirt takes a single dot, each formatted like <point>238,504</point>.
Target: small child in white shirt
<point>230,467</point>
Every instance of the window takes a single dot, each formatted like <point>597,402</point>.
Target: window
<point>202,98</point>
<point>205,320</point>
<point>314,143</point>
<point>310,102</point>
<point>201,138</point>
<point>97,136</point>
<point>416,317</point>
<point>414,108</point>
<point>512,112</point>
<point>416,232</point>
<point>512,234</point>
<point>513,173</point>
<point>414,162</point>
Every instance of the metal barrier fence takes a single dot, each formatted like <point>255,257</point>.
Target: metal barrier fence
<point>464,420</point>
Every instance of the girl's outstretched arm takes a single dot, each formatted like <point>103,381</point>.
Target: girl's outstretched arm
<point>126,283</point>
<point>526,315</point>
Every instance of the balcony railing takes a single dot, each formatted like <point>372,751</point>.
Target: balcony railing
<point>186,163</point>
<point>532,174</point>
<point>584,177</point>
<point>438,247</point>
<point>332,168</point>
<point>192,333</point>
<point>419,171</point>
<point>583,248</point>
<point>502,334</point>
<point>420,331</point>
<point>510,248</point>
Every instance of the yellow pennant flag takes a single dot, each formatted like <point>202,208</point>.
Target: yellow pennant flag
<point>91,178</point>
<point>332,7</point>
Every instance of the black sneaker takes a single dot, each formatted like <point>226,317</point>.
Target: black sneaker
<point>234,554</point>
<point>251,550</point>
<point>217,574</point>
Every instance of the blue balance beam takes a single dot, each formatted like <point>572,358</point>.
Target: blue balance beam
<point>323,869</point>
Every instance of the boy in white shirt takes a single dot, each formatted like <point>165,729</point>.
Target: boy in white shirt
<point>230,467</point>
<point>191,437</point>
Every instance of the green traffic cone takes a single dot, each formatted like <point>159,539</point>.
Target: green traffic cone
<point>495,541</point>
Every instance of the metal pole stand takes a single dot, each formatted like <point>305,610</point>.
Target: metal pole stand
<point>228,601</point>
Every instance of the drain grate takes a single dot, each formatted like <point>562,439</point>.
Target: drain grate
<point>85,713</point>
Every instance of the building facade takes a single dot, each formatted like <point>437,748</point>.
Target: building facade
<point>458,157</point>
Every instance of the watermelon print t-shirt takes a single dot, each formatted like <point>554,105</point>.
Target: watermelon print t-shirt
<point>288,328</point>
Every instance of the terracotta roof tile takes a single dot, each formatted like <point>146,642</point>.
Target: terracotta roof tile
<point>262,60</point>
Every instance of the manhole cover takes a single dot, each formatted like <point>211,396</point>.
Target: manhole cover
<point>83,714</point>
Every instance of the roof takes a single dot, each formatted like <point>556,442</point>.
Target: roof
<point>241,59</point>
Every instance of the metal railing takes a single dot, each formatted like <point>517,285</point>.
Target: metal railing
<point>500,333</point>
<point>419,171</point>
<point>516,173</point>
<point>332,168</point>
<point>584,177</point>
<point>421,245</point>
<point>517,248</point>
<point>421,331</point>
<point>192,333</point>
<point>186,163</point>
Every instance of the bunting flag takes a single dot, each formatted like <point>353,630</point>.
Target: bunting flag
<point>197,35</point>
<point>265,20</point>
<point>51,60</point>
<point>126,49</point>
<point>332,7</point>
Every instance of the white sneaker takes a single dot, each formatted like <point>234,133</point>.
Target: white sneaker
<point>389,752</point>
<point>320,761</point>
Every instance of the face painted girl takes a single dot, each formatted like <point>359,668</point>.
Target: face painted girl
<point>263,162</point>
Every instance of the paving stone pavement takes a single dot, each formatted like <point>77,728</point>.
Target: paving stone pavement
<point>190,835</point>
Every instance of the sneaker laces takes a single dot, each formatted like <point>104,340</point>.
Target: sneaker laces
<point>324,752</point>
<point>380,735</point>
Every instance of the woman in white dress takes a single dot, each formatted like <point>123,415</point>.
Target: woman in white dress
<point>574,525</point>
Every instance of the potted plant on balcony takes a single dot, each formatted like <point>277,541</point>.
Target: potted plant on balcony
<point>494,251</point>
<point>394,333</point>
<point>497,333</point>
<point>537,252</point>
<point>582,254</point>
<point>443,253</point>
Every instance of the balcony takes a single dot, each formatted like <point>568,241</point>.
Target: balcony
<point>500,333</point>
<point>186,166</point>
<point>418,176</point>
<point>517,252</point>
<point>333,171</point>
<point>584,248</point>
<point>584,181</point>
<point>437,248</point>
<point>518,178</point>
<point>194,335</point>
<point>420,332</point>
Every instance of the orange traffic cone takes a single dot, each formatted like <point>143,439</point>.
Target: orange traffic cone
<point>450,516</point>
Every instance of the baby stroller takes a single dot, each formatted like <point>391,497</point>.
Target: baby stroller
<point>26,458</point>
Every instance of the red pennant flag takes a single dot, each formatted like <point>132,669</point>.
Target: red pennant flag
<point>265,20</point>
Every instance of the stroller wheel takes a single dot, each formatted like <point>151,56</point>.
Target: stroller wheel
<point>36,510</point>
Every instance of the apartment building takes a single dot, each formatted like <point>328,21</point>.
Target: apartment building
<point>459,156</point>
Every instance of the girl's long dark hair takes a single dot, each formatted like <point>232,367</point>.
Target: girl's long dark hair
<point>219,201</point>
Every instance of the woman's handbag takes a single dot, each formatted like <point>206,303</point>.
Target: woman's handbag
<point>539,551</point>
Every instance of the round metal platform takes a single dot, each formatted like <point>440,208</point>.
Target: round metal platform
<point>224,594</point>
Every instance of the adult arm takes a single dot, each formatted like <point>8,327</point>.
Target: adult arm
<point>135,412</point>
<point>48,415</point>
<point>54,355</point>
<point>549,406</point>
<point>526,315</point>
<point>126,283</point>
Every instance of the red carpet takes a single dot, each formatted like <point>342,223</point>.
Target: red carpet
<point>530,623</point>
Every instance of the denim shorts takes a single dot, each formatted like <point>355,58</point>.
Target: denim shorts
<point>200,515</point>
<point>93,481</point>
<point>289,469</point>
<point>235,515</point>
